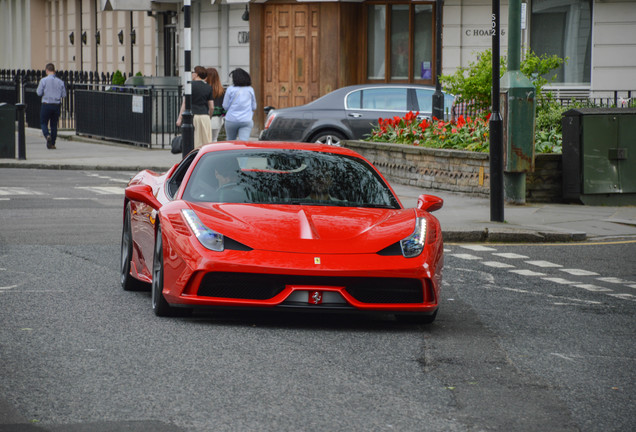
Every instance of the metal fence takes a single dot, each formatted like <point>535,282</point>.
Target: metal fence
<point>565,98</point>
<point>140,115</point>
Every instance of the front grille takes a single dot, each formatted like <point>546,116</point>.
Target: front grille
<point>251,286</point>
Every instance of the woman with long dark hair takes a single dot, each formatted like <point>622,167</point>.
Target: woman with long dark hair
<point>202,107</point>
<point>239,103</point>
<point>216,121</point>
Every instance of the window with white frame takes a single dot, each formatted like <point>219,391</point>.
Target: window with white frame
<point>564,28</point>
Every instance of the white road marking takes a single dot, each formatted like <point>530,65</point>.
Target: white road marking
<point>527,273</point>
<point>590,287</point>
<point>466,256</point>
<point>478,248</point>
<point>573,300</point>
<point>624,296</point>
<point>71,199</point>
<point>510,255</point>
<point>519,290</point>
<point>545,264</point>
<point>579,272</point>
<point>8,287</point>
<point>614,280</point>
<point>103,190</point>
<point>561,301</point>
<point>562,356</point>
<point>497,264</point>
<point>559,280</point>
<point>105,177</point>
<point>19,191</point>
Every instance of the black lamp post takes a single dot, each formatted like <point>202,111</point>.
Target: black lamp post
<point>187,128</point>
<point>438,96</point>
<point>496,128</point>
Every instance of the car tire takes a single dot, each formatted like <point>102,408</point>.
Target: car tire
<point>416,318</point>
<point>128,282</point>
<point>328,136</point>
<point>159,304</point>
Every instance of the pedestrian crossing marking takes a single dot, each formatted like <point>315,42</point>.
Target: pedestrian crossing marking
<point>510,255</point>
<point>579,272</point>
<point>527,273</point>
<point>466,256</point>
<point>624,296</point>
<point>478,248</point>
<point>545,264</point>
<point>559,280</point>
<point>19,191</point>
<point>614,280</point>
<point>590,287</point>
<point>497,264</point>
<point>103,190</point>
<point>550,277</point>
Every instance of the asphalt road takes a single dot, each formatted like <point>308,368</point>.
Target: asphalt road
<point>529,338</point>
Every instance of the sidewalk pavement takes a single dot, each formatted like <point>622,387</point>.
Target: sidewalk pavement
<point>464,218</point>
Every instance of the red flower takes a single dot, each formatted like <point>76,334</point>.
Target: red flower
<point>424,124</point>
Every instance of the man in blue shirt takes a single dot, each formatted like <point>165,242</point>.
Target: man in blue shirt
<point>52,90</point>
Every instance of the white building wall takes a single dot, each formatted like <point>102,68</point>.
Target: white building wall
<point>215,38</point>
<point>466,32</point>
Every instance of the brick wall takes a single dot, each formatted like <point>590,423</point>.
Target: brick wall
<point>456,170</point>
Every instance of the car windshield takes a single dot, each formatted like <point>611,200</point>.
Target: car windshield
<point>296,177</point>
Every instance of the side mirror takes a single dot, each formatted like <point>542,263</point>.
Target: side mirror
<point>430,203</point>
<point>142,193</point>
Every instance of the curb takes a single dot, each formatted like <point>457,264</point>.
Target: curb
<point>517,236</point>
<point>55,166</point>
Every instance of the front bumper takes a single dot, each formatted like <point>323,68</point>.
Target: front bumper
<point>194,276</point>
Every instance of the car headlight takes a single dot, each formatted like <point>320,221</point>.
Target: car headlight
<point>413,245</point>
<point>207,237</point>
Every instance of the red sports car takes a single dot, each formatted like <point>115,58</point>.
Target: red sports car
<point>280,225</point>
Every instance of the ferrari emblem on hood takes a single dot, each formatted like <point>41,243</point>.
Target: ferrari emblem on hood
<point>316,260</point>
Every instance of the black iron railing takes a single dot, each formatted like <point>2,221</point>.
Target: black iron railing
<point>94,107</point>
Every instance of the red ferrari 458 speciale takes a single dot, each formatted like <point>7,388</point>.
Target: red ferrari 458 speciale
<point>280,225</point>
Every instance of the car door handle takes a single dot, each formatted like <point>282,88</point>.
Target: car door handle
<point>355,115</point>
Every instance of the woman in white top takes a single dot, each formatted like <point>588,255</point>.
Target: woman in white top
<point>239,103</point>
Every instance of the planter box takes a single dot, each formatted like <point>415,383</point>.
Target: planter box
<point>456,170</point>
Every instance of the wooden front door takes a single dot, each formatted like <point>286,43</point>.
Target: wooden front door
<point>291,54</point>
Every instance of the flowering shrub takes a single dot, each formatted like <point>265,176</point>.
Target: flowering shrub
<point>467,133</point>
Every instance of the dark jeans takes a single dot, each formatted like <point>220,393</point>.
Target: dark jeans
<point>49,113</point>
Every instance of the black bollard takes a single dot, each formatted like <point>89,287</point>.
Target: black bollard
<point>21,137</point>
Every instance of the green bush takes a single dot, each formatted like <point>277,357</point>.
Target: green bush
<point>118,78</point>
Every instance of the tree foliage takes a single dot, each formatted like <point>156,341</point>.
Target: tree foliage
<point>473,84</point>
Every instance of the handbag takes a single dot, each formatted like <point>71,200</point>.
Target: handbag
<point>176,144</point>
<point>216,122</point>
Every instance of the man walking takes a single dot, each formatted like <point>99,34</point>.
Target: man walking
<point>52,90</point>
